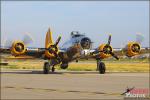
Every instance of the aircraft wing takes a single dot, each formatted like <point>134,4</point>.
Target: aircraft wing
<point>117,53</point>
<point>18,48</point>
<point>27,53</point>
<point>131,49</point>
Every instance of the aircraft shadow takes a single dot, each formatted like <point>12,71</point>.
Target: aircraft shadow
<point>52,73</point>
<point>28,72</point>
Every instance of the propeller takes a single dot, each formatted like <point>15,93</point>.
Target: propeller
<point>135,48</point>
<point>19,46</point>
<point>108,50</point>
<point>53,48</point>
<point>27,39</point>
<point>139,37</point>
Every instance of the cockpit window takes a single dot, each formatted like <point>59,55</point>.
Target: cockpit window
<point>78,35</point>
<point>75,34</point>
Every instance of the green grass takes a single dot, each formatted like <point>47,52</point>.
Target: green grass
<point>124,65</point>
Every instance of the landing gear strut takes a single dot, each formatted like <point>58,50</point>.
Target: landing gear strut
<point>53,69</point>
<point>101,67</point>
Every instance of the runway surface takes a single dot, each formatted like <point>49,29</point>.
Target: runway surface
<point>27,84</point>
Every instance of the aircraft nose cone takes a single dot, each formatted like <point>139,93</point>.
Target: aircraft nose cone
<point>85,43</point>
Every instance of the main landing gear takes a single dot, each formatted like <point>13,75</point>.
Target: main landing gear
<point>47,66</point>
<point>101,67</point>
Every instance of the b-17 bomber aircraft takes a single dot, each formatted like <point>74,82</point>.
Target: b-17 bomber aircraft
<point>78,47</point>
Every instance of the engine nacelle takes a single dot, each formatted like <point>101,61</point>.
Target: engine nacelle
<point>132,49</point>
<point>104,48</point>
<point>50,53</point>
<point>18,48</point>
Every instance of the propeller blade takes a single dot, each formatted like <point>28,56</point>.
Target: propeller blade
<point>57,41</point>
<point>139,38</point>
<point>48,38</point>
<point>115,56</point>
<point>27,39</point>
<point>109,40</point>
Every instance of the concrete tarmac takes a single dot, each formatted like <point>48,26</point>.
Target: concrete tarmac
<point>27,84</point>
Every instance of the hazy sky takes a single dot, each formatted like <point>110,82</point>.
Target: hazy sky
<point>123,19</point>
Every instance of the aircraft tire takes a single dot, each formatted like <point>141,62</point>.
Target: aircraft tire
<point>46,68</point>
<point>102,68</point>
